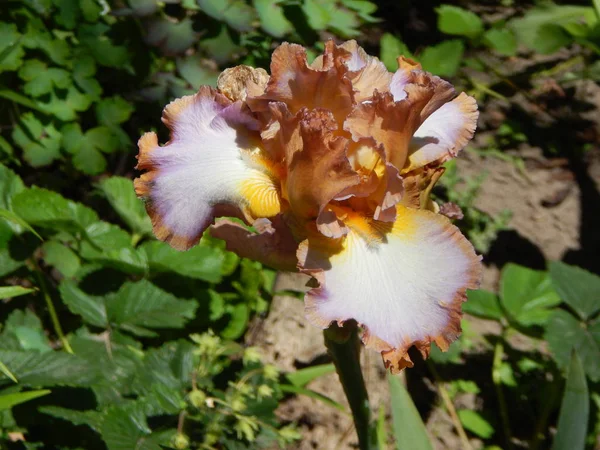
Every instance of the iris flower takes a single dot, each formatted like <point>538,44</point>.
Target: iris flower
<point>332,163</point>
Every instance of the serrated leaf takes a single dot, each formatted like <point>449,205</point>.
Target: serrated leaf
<point>145,305</point>
<point>483,304</point>
<point>13,291</point>
<point>578,288</point>
<point>201,262</point>
<point>121,195</point>
<point>7,401</point>
<point>171,366</point>
<point>565,333</point>
<point>11,51</point>
<point>475,423</point>
<point>458,21</point>
<point>502,40</point>
<point>13,218</point>
<point>195,70</point>
<point>33,368</point>
<point>171,37</point>
<point>49,209</point>
<point>543,28</point>
<point>527,294</point>
<point>391,48</point>
<point>407,425</point>
<point>61,257</point>
<point>236,13</point>
<point>92,309</point>
<point>443,59</point>
<point>90,418</point>
<point>89,160</point>
<point>272,19</point>
<point>574,410</point>
<point>113,111</point>
<point>317,15</point>
<point>28,331</point>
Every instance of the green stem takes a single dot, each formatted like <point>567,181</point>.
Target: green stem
<point>344,347</point>
<point>53,316</point>
<point>497,379</point>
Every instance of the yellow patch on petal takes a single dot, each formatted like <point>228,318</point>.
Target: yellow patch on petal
<point>261,195</point>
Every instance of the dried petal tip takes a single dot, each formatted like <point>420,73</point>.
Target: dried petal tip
<point>236,83</point>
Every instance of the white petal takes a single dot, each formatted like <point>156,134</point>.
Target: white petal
<point>212,159</point>
<point>444,133</point>
<point>404,284</point>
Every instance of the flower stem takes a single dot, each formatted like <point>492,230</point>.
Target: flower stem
<point>344,348</point>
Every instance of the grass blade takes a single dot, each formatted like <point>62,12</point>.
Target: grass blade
<point>574,410</point>
<point>409,430</point>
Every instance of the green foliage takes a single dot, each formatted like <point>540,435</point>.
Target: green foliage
<point>574,411</point>
<point>408,428</point>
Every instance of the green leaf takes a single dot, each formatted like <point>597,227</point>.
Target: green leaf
<point>458,21</point>
<point>113,111</point>
<point>7,372</point>
<point>61,257</point>
<point>483,304</point>
<point>391,48</point>
<point>110,245</point>
<point>40,143</point>
<point>89,418</point>
<point>443,59</point>
<point>12,217</point>
<point>121,195</point>
<point>240,314</point>
<point>49,209</point>
<point>195,70</point>
<point>527,294</point>
<point>304,376</point>
<point>201,262</point>
<point>574,410</point>
<point>272,19</point>
<point>381,437</point>
<point>409,430</point>
<point>142,304</point>
<point>92,309</point>
<point>312,394</point>
<point>7,401</point>
<point>476,424</point>
<point>542,29</point>
<point>578,288</point>
<point>28,331</point>
<point>11,50</point>
<point>236,13</point>
<point>317,15</point>
<point>501,40</point>
<point>90,161</point>
<point>13,291</point>
<point>565,333</point>
<point>33,368</point>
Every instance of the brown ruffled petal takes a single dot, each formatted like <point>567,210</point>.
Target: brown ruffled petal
<point>318,170</point>
<point>272,244</point>
<point>299,85</point>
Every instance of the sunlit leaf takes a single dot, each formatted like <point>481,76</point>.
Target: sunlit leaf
<point>7,401</point>
<point>408,428</point>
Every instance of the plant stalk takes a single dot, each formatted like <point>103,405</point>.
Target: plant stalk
<point>344,347</point>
